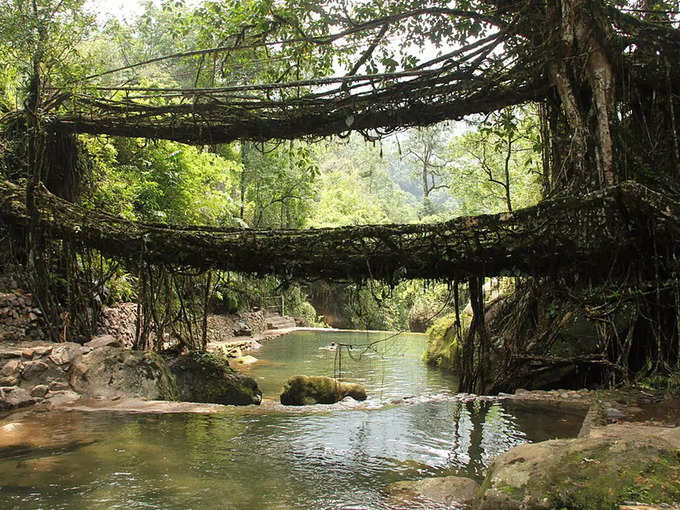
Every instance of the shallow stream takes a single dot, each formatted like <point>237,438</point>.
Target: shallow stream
<point>275,457</point>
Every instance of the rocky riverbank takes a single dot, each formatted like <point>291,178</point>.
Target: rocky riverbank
<point>628,450</point>
<point>627,456</point>
<point>35,371</point>
<point>56,374</point>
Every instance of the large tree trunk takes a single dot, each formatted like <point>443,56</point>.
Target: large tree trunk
<point>584,79</point>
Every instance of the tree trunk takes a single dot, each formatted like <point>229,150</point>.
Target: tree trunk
<point>587,104</point>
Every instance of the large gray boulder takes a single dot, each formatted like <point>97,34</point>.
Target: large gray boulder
<point>111,372</point>
<point>208,378</point>
<point>13,397</point>
<point>302,390</point>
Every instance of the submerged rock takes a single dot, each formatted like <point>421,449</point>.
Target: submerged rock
<point>307,390</point>
<point>207,377</point>
<point>615,464</point>
<point>245,360</point>
<point>452,491</point>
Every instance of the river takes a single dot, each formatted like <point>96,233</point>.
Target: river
<point>273,457</point>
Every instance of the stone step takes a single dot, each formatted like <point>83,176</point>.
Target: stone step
<point>279,322</point>
<point>281,325</point>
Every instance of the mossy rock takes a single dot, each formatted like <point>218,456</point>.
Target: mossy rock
<point>207,377</point>
<point>308,390</point>
<point>615,464</point>
<point>442,341</point>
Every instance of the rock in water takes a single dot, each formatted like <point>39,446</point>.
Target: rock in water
<point>303,390</point>
<point>452,491</point>
<point>207,377</point>
<point>245,360</point>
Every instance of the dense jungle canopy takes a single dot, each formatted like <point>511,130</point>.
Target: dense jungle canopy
<point>587,90</point>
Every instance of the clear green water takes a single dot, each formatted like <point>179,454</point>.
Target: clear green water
<point>389,369</point>
<point>273,457</point>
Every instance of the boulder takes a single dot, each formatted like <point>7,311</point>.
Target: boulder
<point>66,353</point>
<point>208,378</point>
<point>242,329</point>
<point>11,369</point>
<point>61,397</point>
<point>59,386</point>
<point>451,491</point>
<point>39,391</point>
<point>13,397</point>
<point>111,372</point>
<point>33,369</point>
<point>614,464</point>
<point>10,380</point>
<point>307,390</point>
<point>103,341</point>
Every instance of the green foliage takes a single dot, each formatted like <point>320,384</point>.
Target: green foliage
<point>276,184</point>
<point>45,33</point>
<point>668,383</point>
<point>424,151</point>
<point>354,188</point>
<point>342,200</point>
<point>376,306</point>
<point>297,305</point>
<point>8,84</point>
<point>165,182</point>
<point>479,157</point>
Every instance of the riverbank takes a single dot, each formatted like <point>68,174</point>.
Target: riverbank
<point>626,456</point>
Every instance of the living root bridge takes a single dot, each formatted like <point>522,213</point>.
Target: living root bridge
<point>596,234</point>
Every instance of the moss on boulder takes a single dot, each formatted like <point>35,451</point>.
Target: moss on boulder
<point>615,464</point>
<point>207,377</point>
<point>307,390</point>
<point>442,341</point>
